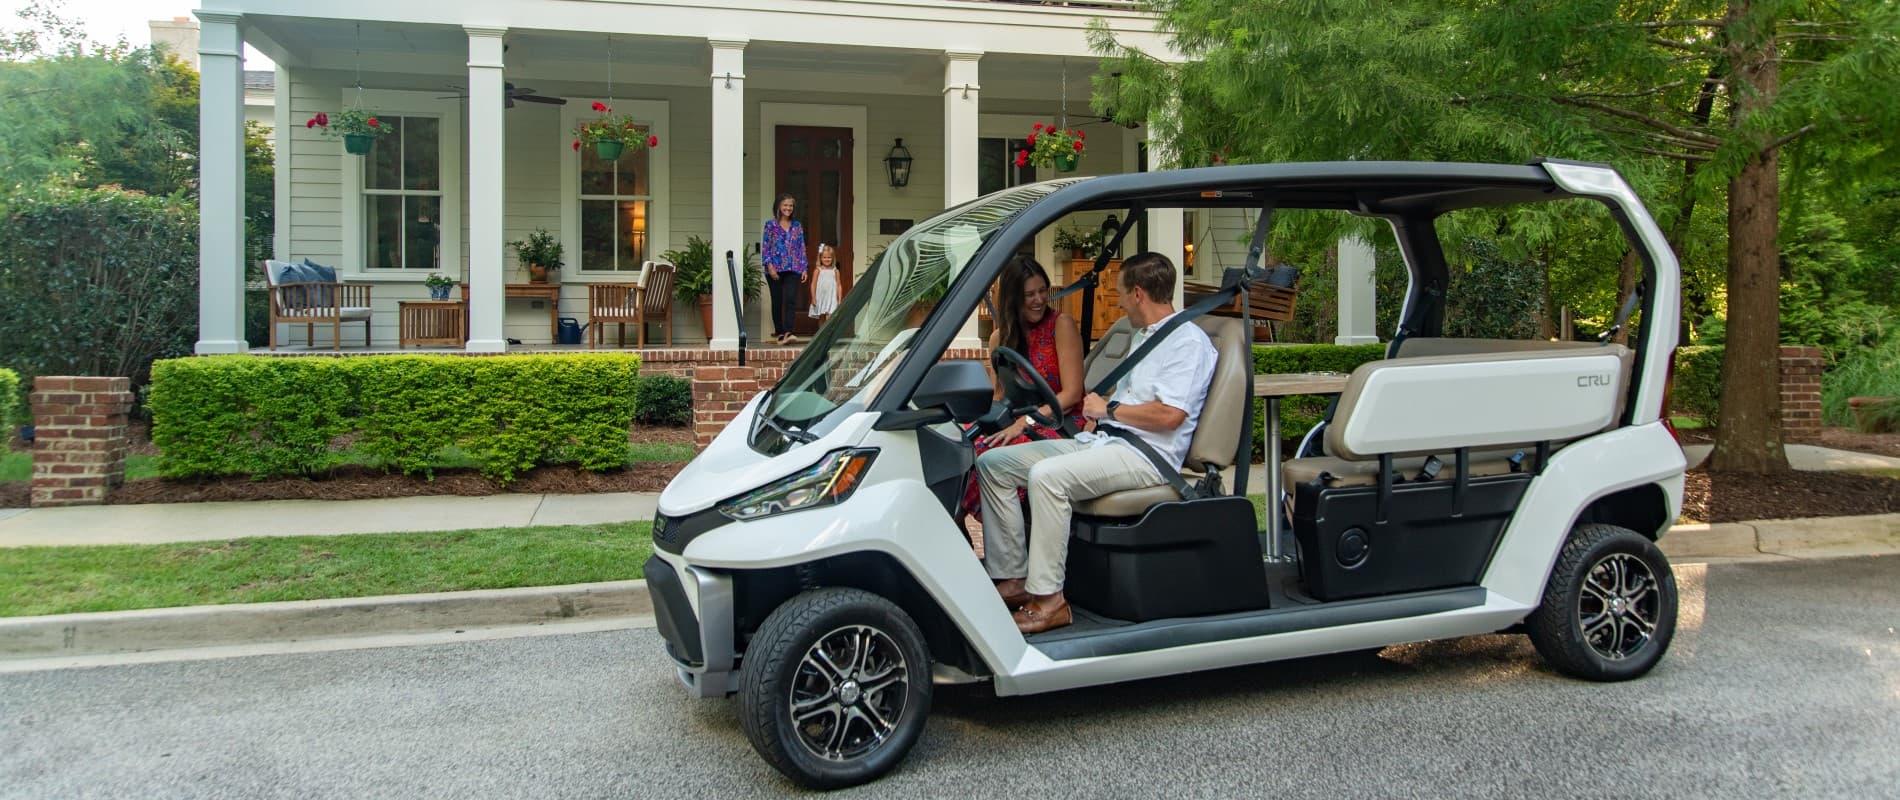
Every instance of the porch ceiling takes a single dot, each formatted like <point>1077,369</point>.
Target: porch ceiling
<point>431,57</point>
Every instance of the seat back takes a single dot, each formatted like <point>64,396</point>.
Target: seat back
<point>1217,437</point>
<point>1107,354</point>
<point>610,300</point>
<point>1426,346</point>
<point>658,282</point>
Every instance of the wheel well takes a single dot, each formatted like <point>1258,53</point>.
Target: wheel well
<point>756,593</point>
<point>1644,509</point>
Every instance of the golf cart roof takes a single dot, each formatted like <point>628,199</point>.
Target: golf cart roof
<point>1385,188</point>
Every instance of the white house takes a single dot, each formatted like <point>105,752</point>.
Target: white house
<point>748,98</point>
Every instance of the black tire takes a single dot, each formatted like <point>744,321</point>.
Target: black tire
<point>853,732</point>
<point>1609,608</point>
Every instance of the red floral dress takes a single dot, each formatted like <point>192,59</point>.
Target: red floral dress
<point>1040,344</point>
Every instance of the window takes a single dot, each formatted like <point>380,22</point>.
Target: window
<point>402,195</point>
<point>614,198</point>
<point>996,164</point>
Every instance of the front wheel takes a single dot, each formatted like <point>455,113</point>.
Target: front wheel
<point>835,687</point>
<point>1609,609</point>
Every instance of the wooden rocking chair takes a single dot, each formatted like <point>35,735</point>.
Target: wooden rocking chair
<point>649,301</point>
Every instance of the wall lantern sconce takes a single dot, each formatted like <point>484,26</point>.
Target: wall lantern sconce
<point>898,164</point>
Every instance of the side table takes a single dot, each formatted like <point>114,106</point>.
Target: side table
<point>421,322</point>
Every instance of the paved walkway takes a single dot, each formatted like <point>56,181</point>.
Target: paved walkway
<point>192,522</point>
<point>195,522</point>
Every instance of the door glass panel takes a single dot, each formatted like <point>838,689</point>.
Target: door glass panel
<point>796,148</point>
<point>384,229</point>
<point>831,148</point>
<point>831,200</point>
<point>421,164</point>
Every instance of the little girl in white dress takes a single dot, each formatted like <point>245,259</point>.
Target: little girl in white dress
<point>824,283</point>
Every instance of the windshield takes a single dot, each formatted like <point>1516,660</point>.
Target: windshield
<point>849,359</point>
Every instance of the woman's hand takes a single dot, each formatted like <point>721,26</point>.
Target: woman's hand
<point>805,277</point>
<point>1008,434</point>
<point>771,273</point>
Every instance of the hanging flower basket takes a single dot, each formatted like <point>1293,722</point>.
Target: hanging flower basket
<point>1050,146</point>
<point>611,134</point>
<point>357,128</point>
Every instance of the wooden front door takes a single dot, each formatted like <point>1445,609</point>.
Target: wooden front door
<point>814,167</point>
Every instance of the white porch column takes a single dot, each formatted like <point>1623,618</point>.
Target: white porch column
<point>1357,322</point>
<point>220,184</point>
<point>1164,224</point>
<point>728,182</point>
<point>962,93</point>
<point>485,188</point>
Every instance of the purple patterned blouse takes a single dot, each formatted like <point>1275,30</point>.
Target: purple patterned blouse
<point>783,250</point>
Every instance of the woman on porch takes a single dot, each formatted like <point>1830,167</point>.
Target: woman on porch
<point>782,251</point>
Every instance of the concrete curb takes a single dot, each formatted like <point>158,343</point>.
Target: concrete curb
<point>116,632</point>
<point>111,632</point>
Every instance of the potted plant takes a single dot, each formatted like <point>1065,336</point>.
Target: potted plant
<point>539,253</point>
<point>1081,244</point>
<point>438,284</point>
<point>611,134</point>
<point>1051,146</point>
<point>693,277</point>
<point>357,128</point>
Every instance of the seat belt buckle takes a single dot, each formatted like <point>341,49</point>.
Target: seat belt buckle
<point>1430,469</point>
<point>1517,462</point>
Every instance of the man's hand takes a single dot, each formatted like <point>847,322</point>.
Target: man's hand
<point>1094,406</point>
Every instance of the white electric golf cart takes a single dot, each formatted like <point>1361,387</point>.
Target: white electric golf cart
<point>810,559</point>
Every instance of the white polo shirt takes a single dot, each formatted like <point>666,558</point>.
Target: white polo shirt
<point>1177,373</point>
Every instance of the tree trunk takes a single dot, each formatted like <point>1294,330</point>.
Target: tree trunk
<point>1748,427</point>
<point>1625,284</point>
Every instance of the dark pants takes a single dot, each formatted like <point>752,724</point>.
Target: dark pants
<point>785,293</point>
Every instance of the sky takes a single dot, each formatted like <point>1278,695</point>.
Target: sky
<point>107,20</point>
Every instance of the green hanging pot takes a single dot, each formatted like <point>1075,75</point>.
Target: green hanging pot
<point>357,144</point>
<point>1065,162</point>
<point>608,149</point>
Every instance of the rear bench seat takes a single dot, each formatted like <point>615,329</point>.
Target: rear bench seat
<point>1344,468</point>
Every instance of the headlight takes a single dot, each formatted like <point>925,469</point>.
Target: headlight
<point>828,482</point>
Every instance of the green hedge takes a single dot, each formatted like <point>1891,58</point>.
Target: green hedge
<point>272,417</point>
<point>1300,413</point>
<point>663,400</point>
<point>1697,388</point>
<point>9,398</point>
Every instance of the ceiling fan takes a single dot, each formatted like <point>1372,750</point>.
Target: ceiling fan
<point>512,92</point>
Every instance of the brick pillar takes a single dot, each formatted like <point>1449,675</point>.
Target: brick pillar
<point>720,392</point>
<point>79,439</point>
<point>1801,393</point>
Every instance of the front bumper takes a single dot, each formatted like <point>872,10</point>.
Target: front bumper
<point>698,639</point>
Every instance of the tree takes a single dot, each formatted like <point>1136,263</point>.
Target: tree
<point>1691,100</point>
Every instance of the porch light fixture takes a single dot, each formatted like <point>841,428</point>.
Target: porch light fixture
<point>898,164</point>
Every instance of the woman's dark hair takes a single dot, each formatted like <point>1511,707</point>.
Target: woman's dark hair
<point>1009,299</point>
<point>781,201</point>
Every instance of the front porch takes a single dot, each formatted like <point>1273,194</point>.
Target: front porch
<point>482,150</point>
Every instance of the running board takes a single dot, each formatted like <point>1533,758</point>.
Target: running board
<point>1088,641</point>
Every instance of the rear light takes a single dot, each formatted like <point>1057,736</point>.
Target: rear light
<point>1669,381</point>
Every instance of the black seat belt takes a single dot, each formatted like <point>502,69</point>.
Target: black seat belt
<point>1629,307</point>
<point>1161,464</point>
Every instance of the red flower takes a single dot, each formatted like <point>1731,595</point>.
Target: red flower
<point>577,145</point>
<point>373,123</point>
<point>1022,157</point>
<point>312,123</point>
<point>1081,135</point>
<point>1032,140</point>
<point>601,107</point>
<point>653,141</point>
<point>1038,126</point>
<point>1078,146</point>
<point>323,118</point>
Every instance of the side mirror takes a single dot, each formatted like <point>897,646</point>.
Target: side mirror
<point>962,387</point>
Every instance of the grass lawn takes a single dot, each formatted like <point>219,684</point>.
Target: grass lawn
<point>58,580</point>
<point>19,467</point>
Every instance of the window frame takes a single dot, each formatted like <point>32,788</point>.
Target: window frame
<point>448,114</point>
<point>656,115</point>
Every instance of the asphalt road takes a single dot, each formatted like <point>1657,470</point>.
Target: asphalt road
<point>1784,680</point>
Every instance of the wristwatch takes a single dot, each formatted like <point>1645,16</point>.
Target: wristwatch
<point>1112,405</point>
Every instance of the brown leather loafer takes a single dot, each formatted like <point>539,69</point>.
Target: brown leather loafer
<point>1029,620</point>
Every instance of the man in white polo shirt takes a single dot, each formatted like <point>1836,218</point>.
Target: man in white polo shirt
<point>1159,400</point>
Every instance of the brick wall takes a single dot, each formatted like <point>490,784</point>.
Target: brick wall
<point>1801,393</point>
<point>79,439</point>
<point>720,391</point>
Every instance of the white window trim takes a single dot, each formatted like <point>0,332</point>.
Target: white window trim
<point>405,104</point>
<point>657,116</point>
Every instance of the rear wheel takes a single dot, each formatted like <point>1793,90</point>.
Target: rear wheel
<point>1609,608</point>
<point>835,687</point>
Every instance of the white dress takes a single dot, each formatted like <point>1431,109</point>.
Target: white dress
<point>824,292</point>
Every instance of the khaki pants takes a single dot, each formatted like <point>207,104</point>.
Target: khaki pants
<point>1058,473</point>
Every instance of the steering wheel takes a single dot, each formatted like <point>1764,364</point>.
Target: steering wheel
<point>1014,369</point>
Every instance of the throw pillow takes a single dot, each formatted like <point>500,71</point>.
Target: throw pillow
<point>323,297</point>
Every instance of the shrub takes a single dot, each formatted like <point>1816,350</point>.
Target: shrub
<point>1697,387</point>
<point>9,399</point>
<point>97,282</point>
<point>272,417</point>
<point>663,400</point>
<point>1865,373</point>
<point>1301,412</point>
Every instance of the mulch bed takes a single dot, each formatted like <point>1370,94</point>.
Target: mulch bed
<point>1736,497</point>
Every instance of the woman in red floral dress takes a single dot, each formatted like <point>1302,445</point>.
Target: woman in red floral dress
<point>1026,323</point>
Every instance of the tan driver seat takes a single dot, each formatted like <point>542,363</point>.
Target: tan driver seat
<point>1216,438</point>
